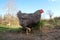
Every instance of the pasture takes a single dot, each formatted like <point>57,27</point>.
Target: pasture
<point>49,32</point>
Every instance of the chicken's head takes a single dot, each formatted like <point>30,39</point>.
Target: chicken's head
<point>41,11</point>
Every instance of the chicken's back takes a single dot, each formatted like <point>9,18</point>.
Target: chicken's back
<point>28,19</point>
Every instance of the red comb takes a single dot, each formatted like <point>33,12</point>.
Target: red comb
<point>41,11</point>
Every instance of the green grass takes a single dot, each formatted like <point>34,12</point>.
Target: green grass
<point>4,28</point>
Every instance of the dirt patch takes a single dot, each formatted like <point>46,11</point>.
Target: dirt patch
<point>52,34</point>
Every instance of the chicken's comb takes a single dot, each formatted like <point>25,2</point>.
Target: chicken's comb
<point>41,11</point>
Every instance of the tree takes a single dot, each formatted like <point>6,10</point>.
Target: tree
<point>1,19</point>
<point>50,13</point>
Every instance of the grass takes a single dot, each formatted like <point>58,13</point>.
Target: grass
<point>4,28</point>
<point>12,28</point>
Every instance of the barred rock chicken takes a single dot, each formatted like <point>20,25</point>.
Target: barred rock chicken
<point>28,21</point>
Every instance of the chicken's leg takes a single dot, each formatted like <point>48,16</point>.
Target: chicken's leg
<point>28,30</point>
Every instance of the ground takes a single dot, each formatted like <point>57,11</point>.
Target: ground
<point>47,34</point>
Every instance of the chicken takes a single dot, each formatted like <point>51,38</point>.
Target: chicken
<point>28,20</point>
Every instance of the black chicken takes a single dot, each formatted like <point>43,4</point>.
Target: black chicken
<point>28,21</point>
